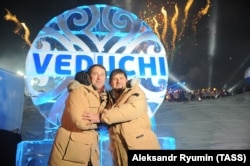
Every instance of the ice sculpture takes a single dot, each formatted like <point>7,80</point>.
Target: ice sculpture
<point>78,38</point>
<point>86,35</point>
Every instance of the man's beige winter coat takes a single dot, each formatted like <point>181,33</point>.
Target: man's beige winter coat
<point>130,126</point>
<point>76,141</point>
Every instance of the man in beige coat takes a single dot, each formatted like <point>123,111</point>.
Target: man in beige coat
<point>76,141</point>
<point>130,126</point>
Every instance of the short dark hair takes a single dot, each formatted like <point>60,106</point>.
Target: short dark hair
<point>96,65</point>
<point>117,71</point>
<point>83,78</point>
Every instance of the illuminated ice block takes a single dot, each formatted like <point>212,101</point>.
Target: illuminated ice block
<point>167,143</point>
<point>36,153</point>
<point>11,100</point>
<point>33,153</point>
<point>11,114</point>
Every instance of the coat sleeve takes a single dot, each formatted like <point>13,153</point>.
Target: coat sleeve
<point>77,103</point>
<point>132,106</point>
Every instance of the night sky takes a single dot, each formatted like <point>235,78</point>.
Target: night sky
<point>196,59</point>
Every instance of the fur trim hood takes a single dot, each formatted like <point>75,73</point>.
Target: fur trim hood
<point>133,82</point>
<point>73,85</point>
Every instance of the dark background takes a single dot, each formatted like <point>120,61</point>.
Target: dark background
<point>190,61</point>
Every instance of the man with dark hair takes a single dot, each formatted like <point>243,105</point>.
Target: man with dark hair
<point>127,117</point>
<point>76,141</point>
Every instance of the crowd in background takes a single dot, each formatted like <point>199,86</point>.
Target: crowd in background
<point>201,94</point>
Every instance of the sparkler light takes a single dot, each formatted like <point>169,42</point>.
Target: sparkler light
<point>19,28</point>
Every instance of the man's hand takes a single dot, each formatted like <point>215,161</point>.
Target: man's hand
<point>91,117</point>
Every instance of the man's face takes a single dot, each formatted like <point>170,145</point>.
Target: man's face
<point>98,77</point>
<point>118,81</point>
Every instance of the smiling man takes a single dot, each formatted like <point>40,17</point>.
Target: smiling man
<point>126,114</point>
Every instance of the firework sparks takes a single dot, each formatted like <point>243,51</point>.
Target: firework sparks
<point>156,27</point>
<point>165,27</point>
<point>186,11</point>
<point>174,26</point>
<point>201,13</point>
<point>20,26</point>
<point>170,11</point>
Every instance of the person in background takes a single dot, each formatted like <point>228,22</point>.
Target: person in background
<point>76,141</point>
<point>127,117</point>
